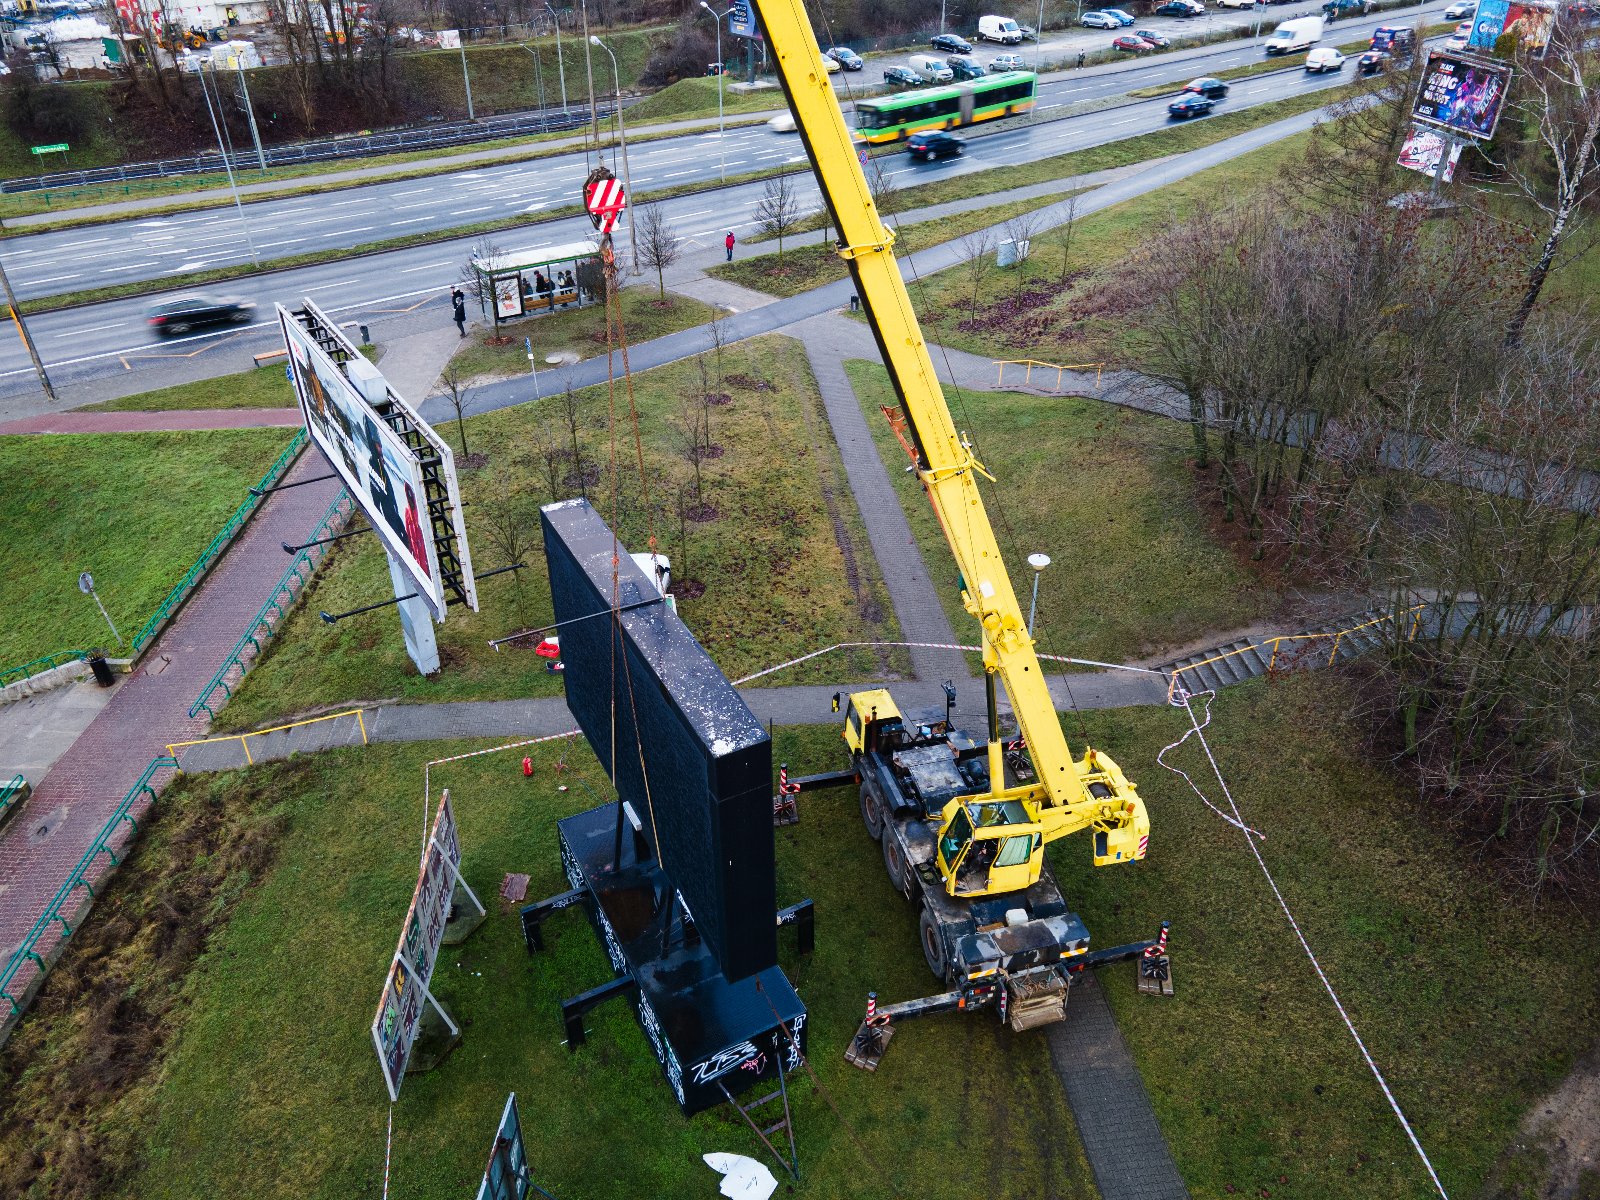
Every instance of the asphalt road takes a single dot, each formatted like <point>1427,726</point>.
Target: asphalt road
<point>84,344</point>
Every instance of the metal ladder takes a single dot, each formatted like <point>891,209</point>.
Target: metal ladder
<point>792,1163</point>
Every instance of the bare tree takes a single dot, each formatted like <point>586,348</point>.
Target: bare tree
<point>473,281</point>
<point>975,249</point>
<point>692,434</point>
<point>1559,171</point>
<point>572,414</point>
<point>719,340</point>
<point>456,392</point>
<point>659,246</point>
<point>1020,229</point>
<point>778,210</point>
<point>550,455</point>
<point>885,191</point>
<point>508,516</point>
<point>1062,235</point>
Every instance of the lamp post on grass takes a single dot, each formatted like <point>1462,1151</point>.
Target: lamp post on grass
<point>1038,562</point>
<point>561,65</point>
<point>722,71</point>
<point>622,136</point>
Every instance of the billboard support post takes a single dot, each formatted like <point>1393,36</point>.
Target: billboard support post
<point>416,622</point>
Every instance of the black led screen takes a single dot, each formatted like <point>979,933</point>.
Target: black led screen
<point>707,760</point>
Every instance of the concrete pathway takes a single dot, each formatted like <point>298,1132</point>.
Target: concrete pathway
<point>37,730</point>
<point>156,421</point>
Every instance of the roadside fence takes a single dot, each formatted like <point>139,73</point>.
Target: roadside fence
<point>1029,364</point>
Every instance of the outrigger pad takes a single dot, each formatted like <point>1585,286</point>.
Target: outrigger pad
<point>1155,976</point>
<point>867,1048</point>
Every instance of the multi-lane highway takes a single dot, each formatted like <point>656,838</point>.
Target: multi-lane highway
<point>83,343</point>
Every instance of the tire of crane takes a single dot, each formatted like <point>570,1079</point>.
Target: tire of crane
<point>933,947</point>
<point>871,811</point>
<point>894,862</point>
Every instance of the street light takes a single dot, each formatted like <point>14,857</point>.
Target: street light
<point>538,74</point>
<point>1038,562</point>
<point>722,71</point>
<point>622,136</point>
<point>560,63</point>
<point>1038,38</point>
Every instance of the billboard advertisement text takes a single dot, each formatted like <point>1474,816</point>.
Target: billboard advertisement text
<point>1463,95</point>
<point>1423,150</point>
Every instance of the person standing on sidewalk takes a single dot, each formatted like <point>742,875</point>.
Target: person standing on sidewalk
<point>460,315</point>
<point>728,242</point>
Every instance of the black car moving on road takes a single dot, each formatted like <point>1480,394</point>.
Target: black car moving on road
<point>1189,106</point>
<point>902,76</point>
<point>198,310</point>
<point>1210,88</point>
<point>951,43</point>
<point>936,144</point>
<point>1373,62</point>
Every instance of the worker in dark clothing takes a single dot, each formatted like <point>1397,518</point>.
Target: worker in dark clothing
<point>460,316</point>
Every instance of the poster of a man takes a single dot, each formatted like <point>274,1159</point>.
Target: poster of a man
<point>1462,94</point>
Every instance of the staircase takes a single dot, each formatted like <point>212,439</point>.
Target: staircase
<point>1322,645</point>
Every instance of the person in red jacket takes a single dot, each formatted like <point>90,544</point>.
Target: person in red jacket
<point>728,242</point>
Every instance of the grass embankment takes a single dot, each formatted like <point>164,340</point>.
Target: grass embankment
<point>785,563</point>
<point>809,266</point>
<point>270,900</point>
<point>134,509</point>
<point>268,1047</point>
<point>691,98</point>
<point>581,331</point>
<point>1134,568</point>
<point>259,387</point>
<point>1257,1083</point>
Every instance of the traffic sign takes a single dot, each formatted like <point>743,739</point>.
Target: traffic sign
<point>86,583</point>
<point>605,200</point>
<point>861,156</point>
<point>58,148</point>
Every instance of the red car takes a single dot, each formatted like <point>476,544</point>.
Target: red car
<point>1134,45</point>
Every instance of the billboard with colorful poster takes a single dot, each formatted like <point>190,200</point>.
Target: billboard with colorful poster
<point>1461,94</point>
<point>381,471</point>
<point>406,989</point>
<point>506,1176</point>
<point>1423,150</point>
<point>1532,23</point>
<point>742,19</point>
<point>1487,24</point>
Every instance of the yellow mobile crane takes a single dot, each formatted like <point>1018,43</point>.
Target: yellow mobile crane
<point>957,832</point>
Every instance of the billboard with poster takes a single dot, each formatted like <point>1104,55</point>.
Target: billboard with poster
<point>742,19</point>
<point>1423,150</point>
<point>1532,24</point>
<point>1487,23</point>
<point>1464,95</point>
<point>381,471</point>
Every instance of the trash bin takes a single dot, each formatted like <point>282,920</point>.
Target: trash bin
<point>102,670</point>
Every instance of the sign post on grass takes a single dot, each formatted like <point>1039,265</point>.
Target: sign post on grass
<point>506,1176</point>
<point>86,586</point>
<point>405,992</point>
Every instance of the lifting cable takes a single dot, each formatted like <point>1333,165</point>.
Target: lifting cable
<point>1182,698</point>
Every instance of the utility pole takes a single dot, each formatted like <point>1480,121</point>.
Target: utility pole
<point>466,81</point>
<point>86,586</point>
<point>22,332</point>
<point>228,166</point>
<point>622,136</point>
<point>561,65</point>
<point>722,85</point>
<point>588,67</point>
<point>250,112</point>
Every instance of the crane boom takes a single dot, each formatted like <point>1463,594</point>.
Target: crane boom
<point>1063,800</point>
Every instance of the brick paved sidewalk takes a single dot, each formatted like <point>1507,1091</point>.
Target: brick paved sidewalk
<point>46,839</point>
<point>156,422</point>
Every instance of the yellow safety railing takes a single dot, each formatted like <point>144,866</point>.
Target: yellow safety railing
<point>1276,643</point>
<point>244,738</point>
<point>1058,368</point>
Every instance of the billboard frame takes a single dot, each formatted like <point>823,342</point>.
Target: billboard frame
<point>310,334</point>
<point>1466,63</point>
<point>510,1154</point>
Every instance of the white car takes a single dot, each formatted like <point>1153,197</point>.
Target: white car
<point>1099,20</point>
<point>1458,40</point>
<point>1460,9</point>
<point>1236,3</point>
<point>1324,58</point>
<point>782,123</point>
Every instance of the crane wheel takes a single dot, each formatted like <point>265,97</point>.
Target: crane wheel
<point>894,861</point>
<point>871,812</point>
<point>933,947</point>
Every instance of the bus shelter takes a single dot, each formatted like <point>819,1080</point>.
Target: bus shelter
<point>542,279</point>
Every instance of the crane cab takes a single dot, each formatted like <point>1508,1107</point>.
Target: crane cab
<point>988,846</point>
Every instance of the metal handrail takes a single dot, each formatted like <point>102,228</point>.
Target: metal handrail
<point>54,911</point>
<point>208,557</point>
<point>243,738</point>
<point>1058,368</point>
<point>267,619</point>
<point>1337,635</point>
<point>45,662</point>
<point>9,791</point>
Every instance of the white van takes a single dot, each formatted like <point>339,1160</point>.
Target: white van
<point>1302,33</point>
<point>932,68</point>
<point>999,29</point>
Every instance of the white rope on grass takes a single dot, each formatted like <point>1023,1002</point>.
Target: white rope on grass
<point>1060,658</point>
<point>1197,729</point>
<point>388,1145</point>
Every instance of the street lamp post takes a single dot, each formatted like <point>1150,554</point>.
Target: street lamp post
<point>722,72</point>
<point>227,166</point>
<point>622,136</point>
<point>561,66</point>
<point>1038,38</point>
<point>538,74</point>
<point>1038,562</point>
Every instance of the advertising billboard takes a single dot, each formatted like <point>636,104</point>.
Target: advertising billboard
<point>742,19</point>
<point>1461,94</point>
<point>506,1176</point>
<point>1487,23</point>
<point>1532,23</point>
<point>379,469</point>
<point>1423,150</point>
<point>394,1028</point>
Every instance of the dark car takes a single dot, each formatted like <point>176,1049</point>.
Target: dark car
<point>964,68</point>
<point>934,144</point>
<point>1210,88</point>
<point>1028,32</point>
<point>1133,45</point>
<point>1398,39</point>
<point>1178,8</point>
<point>1374,62</point>
<point>845,57</point>
<point>902,77</point>
<point>951,43</point>
<point>198,310</point>
<point>1186,106</point>
<point>1154,38</point>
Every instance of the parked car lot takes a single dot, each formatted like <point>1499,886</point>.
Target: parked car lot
<point>1154,38</point>
<point>1122,16</point>
<point>1099,20</point>
<point>1006,62</point>
<point>1181,8</point>
<point>1132,45</point>
<point>901,77</point>
<point>845,57</point>
<point>950,43</point>
<point>965,68</point>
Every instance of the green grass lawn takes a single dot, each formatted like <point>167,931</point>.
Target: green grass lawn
<point>690,98</point>
<point>265,1044</point>
<point>221,995</point>
<point>578,330</point>
<point>135,509</point>
<point>786,566</point>
<point>260,387</point>
<point>1134,568</point>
